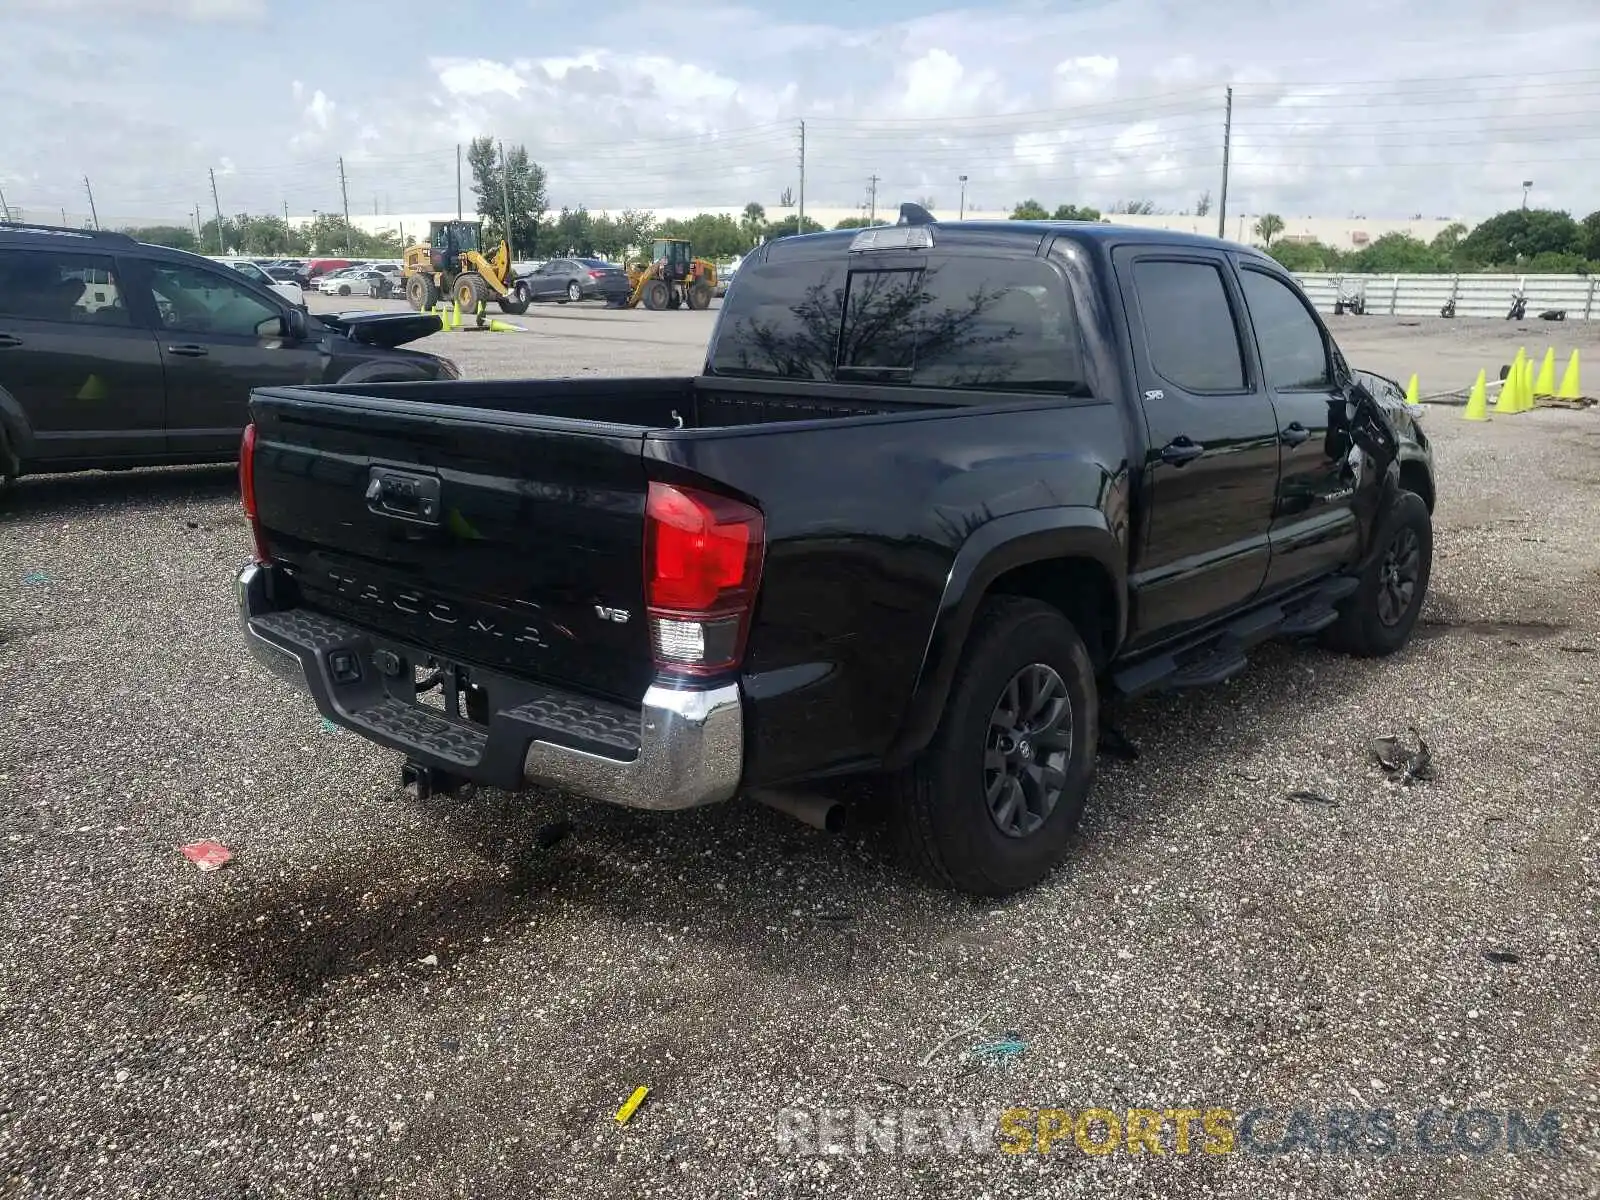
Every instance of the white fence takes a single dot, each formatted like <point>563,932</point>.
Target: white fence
<point>1475,295</point>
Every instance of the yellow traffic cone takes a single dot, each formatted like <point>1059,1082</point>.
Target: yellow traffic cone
<point>1525,393</point>
<point>1569,380</point>
<point>1546,386</point>
<point>1508,401</point>
<point>1478,401</point>
<point>1412,395</point>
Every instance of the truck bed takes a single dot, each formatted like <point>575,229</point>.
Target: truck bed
<point>666,402</point>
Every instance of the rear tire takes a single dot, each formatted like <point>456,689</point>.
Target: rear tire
<point>515,304</point>
<point>10,465</point>
<point>1378,618</point>
<point>944,804</point>
<point>574,292</point>
<point>421,292</point>
<point>344,289</point>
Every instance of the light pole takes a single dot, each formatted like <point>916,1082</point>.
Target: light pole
<point>963,213</point>
<point>1527,185</point>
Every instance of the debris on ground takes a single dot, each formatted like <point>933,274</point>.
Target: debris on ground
<point>964,1030</point>
<point>208,856</point>
<point>1502,956</point>
<point>1408,764</point>
<point>1307,796</point>
<point>631,1105</point>
<point>1000,1053</point>
<point>35,577</point>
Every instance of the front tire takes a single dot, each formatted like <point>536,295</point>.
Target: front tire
<point>990,806</point>
<point>1378,618</point>
<point>574,292</point>
<point>471,291</point>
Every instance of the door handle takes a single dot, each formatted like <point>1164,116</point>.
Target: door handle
<point>1181,450</point>
<point>1294,434</point>
<point>9,341</point>
<point>188,351</point>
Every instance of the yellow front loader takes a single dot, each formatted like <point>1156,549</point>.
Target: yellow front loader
<point>673,278</point>
<point>452,264</point>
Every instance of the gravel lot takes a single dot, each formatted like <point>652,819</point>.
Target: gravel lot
<point>381,997</point>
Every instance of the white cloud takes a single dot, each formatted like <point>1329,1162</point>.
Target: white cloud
<point>657,107</point>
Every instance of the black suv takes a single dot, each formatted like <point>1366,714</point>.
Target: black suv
<point>118,354</point>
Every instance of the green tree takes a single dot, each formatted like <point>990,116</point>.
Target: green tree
<point>572,232</point>
<point>753,222</point>
<point>859,223</point>
<point>1589,237</point>
<point>522,181</point>
<point>178,237</point>
<point>712,235</point>
<point>1136,208</point>
<point>1448,240</point>
<point>1518,234</point>
<point>1268,226</point>
<point>1030,210</point>
<point>1305,256</point>
<point>1073,212</point>
<point>1394,254</point>
<point>1202,206</point>
<point>789,226</point>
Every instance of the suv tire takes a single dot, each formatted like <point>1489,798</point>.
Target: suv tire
<point>1379,616</point>
<point>1023,659</point>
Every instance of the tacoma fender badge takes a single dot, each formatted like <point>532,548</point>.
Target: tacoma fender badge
<point>617,616</point>
<point>1154,394</point>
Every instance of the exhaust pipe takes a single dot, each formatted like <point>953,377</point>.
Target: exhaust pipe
<point>819,812</point>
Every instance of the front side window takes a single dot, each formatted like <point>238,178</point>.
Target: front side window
<point>191,300</point>
<point>1293,354</point>
<point>46,285</point>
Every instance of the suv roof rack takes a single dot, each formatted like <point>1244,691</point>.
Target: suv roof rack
<point>104,235</point>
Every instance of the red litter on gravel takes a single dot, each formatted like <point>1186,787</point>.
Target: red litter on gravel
<point>208,856</point>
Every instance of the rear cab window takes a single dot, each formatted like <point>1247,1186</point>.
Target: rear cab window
<point>951,321</point>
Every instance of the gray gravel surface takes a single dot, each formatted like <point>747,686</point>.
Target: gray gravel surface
<point>381,997</point>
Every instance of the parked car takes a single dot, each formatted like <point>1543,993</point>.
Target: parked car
<point>355,281</point>
<point>724,278</point>
<point>569,280</point>
<point>288,289</point>
<point>118,354</point>
<point>927,525</point>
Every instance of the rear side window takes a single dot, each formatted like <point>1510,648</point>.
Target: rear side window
<point>1189,325</point>
<point>46,285</point>
<point>1293,354</point>
<point>991,324</point>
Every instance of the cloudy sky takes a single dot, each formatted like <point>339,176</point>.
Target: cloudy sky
<point>1439,107</point>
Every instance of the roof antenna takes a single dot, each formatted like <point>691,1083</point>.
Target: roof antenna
<point>914,214</point>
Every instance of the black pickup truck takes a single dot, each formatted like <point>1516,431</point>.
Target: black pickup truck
<point>941,493</point>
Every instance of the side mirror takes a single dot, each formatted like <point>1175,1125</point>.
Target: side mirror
<point>295,324</point>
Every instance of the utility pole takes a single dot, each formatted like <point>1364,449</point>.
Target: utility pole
<point>5,213</point>
<point>221,248</point>
<point>505,197</point>
<point>800,221</point>
<point>872,198</point>
<point>1227,149</point>
<point>458,181</point>
<point>962,214</point>
<point>285,212</point>
<point>197,239</point>
<point>344,192</point>
<point>95,217</point>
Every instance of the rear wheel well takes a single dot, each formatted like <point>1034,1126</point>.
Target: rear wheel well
<point>1081,588</point>
<point>1414,478</point>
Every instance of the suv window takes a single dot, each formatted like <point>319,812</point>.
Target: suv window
<point>46,285</point>
<point>987,323</point>
<point>1293,354</point>
<point>191,300</point>
<point>1189,325</point>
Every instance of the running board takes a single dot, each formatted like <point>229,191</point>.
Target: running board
<point>1221,652</point>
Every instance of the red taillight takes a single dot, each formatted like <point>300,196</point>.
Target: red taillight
<point>702,564</point>
<point>247,490</point>
<point>596,274</point>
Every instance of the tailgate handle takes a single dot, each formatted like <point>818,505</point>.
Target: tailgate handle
<point>404,495</point>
